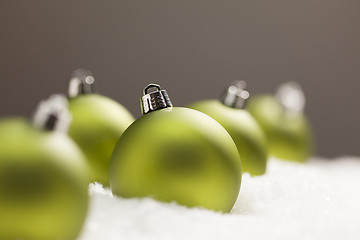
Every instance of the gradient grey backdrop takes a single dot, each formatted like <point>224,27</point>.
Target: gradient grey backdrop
<point>192,48</point>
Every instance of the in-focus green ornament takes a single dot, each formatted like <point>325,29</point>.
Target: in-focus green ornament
<point>243,128</point>
<point>43,177</point>
<point>286,128</point>
<point>176,154</point>
<point>97,124</point>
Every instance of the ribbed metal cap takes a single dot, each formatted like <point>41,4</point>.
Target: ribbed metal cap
<point>154,99</point>
<point>235,95</point>
<point>292,97</point>
<point>52,114</point>
<point>81,82</point>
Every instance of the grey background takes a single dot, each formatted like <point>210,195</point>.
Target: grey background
<point>193,48</point>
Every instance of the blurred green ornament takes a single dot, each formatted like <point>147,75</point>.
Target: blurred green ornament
<point>176,154</point>
<point>43,177</point>
<point>243,128</point>
<point>98,122</point>
<point>287,129</point>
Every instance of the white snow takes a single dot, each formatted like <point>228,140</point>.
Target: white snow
<point>317,200</point>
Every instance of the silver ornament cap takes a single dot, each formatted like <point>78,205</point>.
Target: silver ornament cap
<point>81,82</point>
<point>235,95</point>
<point>154,99</point>
<point>52,114</point>
<point>292,98</point>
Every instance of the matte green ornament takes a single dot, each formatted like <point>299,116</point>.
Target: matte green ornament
<point>43,177</point>
<point>247,134</point>
<point>176,154</point>
<point>286,127</point>
<point>98,122</point>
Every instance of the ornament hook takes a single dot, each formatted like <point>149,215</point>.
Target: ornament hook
<point>154,100</point>
<point>53,114</point>
<point>151,86</point>
<point>235,95</point>
<point>81,82</point>
<point>291,97</point>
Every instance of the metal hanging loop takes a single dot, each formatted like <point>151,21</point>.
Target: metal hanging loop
<point>81,82</point>
<point>154,99</point>
<point>52,114</point>
<point>235,95</point>
<point>292,98</point>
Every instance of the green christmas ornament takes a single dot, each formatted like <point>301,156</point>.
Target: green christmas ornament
<point>43,177</point>
<point>243,128</point>
<point>97,124</point>
<point>286,128</point>
<point>176,154</point>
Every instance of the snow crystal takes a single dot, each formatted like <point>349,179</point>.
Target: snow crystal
<point>317,200</point>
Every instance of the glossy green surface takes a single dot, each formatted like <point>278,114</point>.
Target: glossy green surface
<point>177,154</point>
<point>43,184</point>
<point>97,125</point>
<point>245,131</point>
<point>289,137</point>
